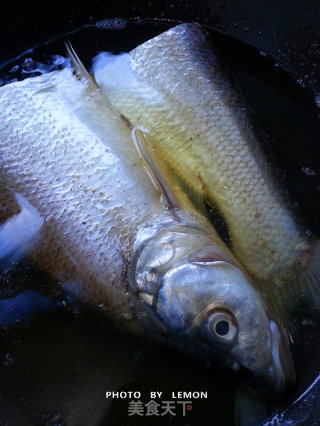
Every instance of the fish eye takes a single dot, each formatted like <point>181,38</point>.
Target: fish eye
<point>222,326</point>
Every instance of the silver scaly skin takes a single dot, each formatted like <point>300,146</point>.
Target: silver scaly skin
<point>176,87</point>
<point>67,160</point>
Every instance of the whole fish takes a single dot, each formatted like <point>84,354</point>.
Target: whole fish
<point>177,88</point>
<point>103,230</point>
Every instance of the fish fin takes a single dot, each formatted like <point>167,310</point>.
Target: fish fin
<point>158,171</point>
<point>309,279</point>
<point>79,68</point>
<point>18,233</point>
<point>91,84</point>
<point>296,300</point>
<point>179,194</point>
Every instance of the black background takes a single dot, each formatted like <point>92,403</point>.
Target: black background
<point>287,30</point>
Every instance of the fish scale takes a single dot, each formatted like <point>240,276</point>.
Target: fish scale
<point>55,173</point>
<point>201,130</point>
<point>100,226</point>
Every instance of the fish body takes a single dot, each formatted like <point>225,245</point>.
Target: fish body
<point>176,87</point>
<point>108,236</point>
<point>74,180</point>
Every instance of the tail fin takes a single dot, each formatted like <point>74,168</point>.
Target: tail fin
<point>309,279</point>
<point>296,298</point>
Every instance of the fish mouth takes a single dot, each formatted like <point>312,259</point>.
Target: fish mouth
<point>282,368</point>
<point>276,379</point>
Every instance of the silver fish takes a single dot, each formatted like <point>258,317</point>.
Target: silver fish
<point>176,87</point>
<point>109,237</point>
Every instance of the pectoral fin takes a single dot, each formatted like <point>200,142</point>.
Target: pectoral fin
<point>158,171</point>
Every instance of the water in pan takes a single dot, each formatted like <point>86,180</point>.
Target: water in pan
<point>57,362</point>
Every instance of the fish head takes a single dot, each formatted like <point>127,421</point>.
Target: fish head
<point>209,308</point>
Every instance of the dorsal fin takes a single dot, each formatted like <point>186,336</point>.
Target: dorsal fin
<point>141,138</point>
<point>91,83</point>
<point>79,68</point>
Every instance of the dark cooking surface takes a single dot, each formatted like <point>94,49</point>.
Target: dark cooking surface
<point>289,31</point>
